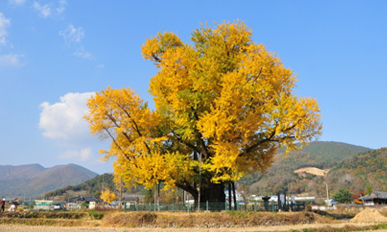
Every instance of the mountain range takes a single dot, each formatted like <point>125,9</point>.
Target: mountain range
<point>33,180</point>
<point>305,171</point>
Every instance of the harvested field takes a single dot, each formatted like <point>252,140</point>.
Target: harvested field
<point>180,222</point>
<point>293,228</point>
<point>227,219</point>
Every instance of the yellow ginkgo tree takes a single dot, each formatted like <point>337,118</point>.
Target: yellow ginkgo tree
<point>108,196</point>
<point>224,105</point>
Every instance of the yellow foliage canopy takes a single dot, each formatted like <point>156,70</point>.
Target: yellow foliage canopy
<point>137,144</point>
<point>224,103</point>
<point>108,196</point>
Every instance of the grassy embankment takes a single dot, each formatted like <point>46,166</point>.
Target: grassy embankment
<point>227,219</point>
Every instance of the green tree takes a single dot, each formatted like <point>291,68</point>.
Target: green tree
<point>84,205</point>
<point>368,190</point>
<point>31,206</point>
<point>97,194</point>
<point>342,196</point>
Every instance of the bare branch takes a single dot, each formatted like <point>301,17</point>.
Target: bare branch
<point>115,143</point>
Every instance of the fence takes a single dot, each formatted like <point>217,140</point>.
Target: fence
<point>213,206</point>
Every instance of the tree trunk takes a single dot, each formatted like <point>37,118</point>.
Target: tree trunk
<point>209,192</point>
<point>233,189</point>
<point>229,196</point>
<point>212,193</point>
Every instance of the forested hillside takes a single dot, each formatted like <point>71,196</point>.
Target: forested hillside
<point>92,187</point>
<point>281,177</point>
<point>359,172</point>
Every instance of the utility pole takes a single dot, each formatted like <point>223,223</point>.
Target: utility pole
<point>155,197</point>
<point>229,195</point>
<point>327,194</point>
<point>200,179</point>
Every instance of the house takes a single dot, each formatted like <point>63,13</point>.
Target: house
<point>75,202</point>
<point>375,198</point>
<point>47,205</point>
<point>43,204</point>
<point>130,199</point>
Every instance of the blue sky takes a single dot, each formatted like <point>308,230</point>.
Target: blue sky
<point>55,53</point>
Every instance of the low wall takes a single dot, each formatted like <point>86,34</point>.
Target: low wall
<point>352,208</point>
<point>321,207</point>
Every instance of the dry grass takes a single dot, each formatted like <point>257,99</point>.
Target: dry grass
<point>210,220</point>
<point>53,218</point>
<point>47,222</point>
<point>168,221</point>
<point>344,228</point>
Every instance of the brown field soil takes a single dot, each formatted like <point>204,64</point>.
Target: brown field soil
<point>311,227</point>
<point>311,170</point>
<point>211,220</point>
<point>167,221</point>
<point>163,219</point>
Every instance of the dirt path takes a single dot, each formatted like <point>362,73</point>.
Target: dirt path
<point>21,228</point>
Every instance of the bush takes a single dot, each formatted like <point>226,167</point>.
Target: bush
<point>342,196</point>
<point>96,215</point>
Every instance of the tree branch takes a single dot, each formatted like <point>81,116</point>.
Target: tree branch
<point>268,139</point>
<point>203,145</point>
<point>184,142</point>
<point>118,126</point>
<point>135,125</point>
<point>115,142</point>
<point>187,187</point>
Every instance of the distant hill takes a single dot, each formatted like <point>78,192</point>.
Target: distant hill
<point>32,180</point>
<point>281,177</point>
<point>360,171</point>
<point>9,172</point>
<point>91,187</point>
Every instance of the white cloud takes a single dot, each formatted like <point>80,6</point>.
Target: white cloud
<point>44,10</point>
<point>17,2</point>
<point>61,7</point>
<point>71,34</point>
<point>100,66</point>
<point>79,155</point>
<point>63,120</point>
<point>10,60</point>
<point>83,54</point>
<point>4,23</point>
